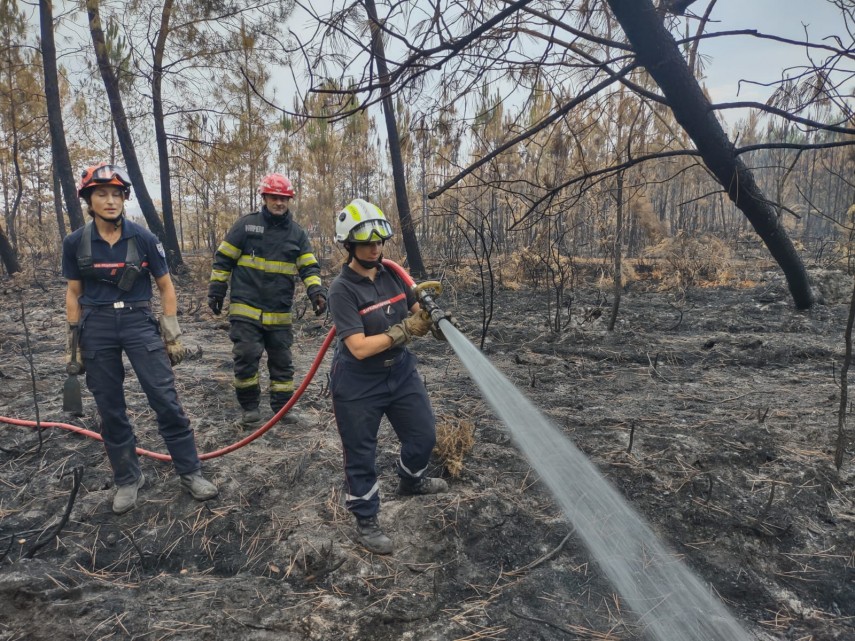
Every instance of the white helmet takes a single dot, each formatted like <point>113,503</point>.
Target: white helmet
<point>361,222</point>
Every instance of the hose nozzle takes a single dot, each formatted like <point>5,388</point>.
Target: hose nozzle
<point>427,292</point>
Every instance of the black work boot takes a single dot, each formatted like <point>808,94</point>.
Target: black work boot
<point>292,417</point>
<point>371,537</point>
<point>249,418</point>
<point>423,485</point>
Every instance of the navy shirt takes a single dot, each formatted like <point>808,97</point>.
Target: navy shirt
<point>110,264</point>
<point>359,305</point>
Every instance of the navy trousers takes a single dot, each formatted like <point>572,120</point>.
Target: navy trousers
<point>106,333</point>
<point>361,395</point>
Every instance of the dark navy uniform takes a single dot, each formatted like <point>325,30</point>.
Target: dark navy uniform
<point>262,255</point>
<point>113,320</point>
<point>386,383</point>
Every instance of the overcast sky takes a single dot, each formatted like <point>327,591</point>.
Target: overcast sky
<point>733,58</point>
<point>744,57</point>
<point>727,59</point>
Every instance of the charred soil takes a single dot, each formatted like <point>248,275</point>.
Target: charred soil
<point>713,412</point>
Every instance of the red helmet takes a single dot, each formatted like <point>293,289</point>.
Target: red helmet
<point>276,185</point>
<point>104,174</point>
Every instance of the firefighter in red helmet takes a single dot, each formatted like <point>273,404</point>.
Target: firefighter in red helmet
<point>109,264</point>
<point>262,257</point>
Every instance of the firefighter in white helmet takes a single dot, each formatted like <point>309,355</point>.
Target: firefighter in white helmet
<point>374,374</point>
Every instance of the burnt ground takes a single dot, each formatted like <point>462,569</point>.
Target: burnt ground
<point>713,413</point>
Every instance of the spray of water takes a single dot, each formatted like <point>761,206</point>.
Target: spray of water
<point>670,601</point>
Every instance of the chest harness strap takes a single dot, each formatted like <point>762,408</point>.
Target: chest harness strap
<point>124,275</point>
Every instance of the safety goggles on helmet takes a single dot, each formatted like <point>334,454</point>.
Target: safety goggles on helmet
<point>369,231</point>
<point>102,175</point>
<point>110,174</point>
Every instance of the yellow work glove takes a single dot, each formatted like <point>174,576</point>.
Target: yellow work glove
<point>415,325</point>
<point>171,332</point>
<point>420,323</point>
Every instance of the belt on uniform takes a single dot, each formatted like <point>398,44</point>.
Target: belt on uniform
<point>389,362</point>
<point>120,304</point>
<point>374,366</point>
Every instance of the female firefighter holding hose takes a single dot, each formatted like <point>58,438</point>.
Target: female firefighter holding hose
<point>373,373</point>
<point>108,264</point>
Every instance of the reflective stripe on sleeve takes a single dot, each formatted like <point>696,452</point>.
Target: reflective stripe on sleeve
<point>307,259</point>
<point>219,276</point>
<point>227,249</point>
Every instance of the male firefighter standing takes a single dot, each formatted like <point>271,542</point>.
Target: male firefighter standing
<point>262,255</point>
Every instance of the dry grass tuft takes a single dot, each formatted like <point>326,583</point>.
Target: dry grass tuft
<point>693,261</point>
<point>454,439</point>
<point>198,270</point>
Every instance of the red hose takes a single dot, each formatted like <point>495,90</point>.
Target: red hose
<point>247,439</point>
<point>408,280</point>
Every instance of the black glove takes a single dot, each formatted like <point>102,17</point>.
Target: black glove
<point>216,304</point>
<point>73,357</point>
<point>319,304</point>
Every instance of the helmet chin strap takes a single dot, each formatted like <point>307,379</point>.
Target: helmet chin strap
<point>365,264</point>
<point>370,264</point>
<point>116,221</point>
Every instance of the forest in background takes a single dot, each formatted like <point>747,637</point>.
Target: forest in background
<point>528,131</point>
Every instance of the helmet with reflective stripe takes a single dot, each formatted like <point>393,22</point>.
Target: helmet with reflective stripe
<point>276,185</point>
<point>104,174</point>
<point>361,222</point>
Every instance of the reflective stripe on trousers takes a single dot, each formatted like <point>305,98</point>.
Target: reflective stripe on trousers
<point>249,342</point>
<point>360,398</point>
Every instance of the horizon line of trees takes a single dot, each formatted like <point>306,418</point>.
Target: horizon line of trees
<point>587,160</point>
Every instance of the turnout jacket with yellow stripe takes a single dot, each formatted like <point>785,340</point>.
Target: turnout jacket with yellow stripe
<point>262,255</point>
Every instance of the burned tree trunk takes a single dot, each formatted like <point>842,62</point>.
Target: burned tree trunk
<point>7,255</point>
<point>123,131</point>
<point>657,50</point>
<point>58,146</point>
<point>160,134</point>
<point>408,232</point>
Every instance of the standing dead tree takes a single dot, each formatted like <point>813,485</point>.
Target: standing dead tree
<point>59,147</point>
<point>844,387</point>
<point>475,41</point>
<point>408,233</point>
<point>657,50</point>
<point>475,227</point>
<point>123,131</point>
